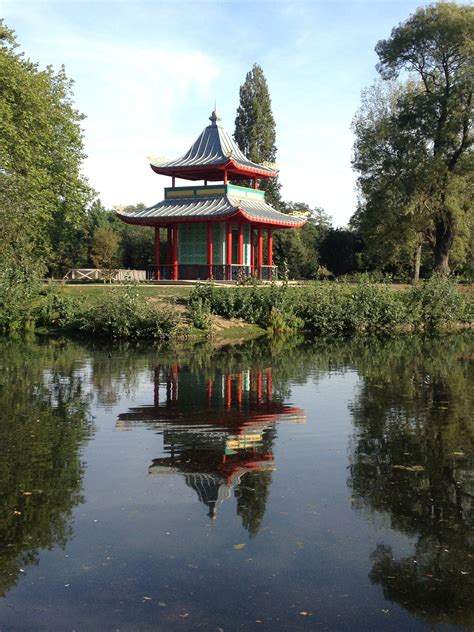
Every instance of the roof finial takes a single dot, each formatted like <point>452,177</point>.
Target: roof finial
<point>214,118</point>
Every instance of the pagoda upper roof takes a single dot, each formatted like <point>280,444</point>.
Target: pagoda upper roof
<point>213,152</point>
<point>218,208</point>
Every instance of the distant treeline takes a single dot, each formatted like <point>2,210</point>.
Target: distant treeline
<point>316,251</point>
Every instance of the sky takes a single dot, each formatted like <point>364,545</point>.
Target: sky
<point>147,75</point>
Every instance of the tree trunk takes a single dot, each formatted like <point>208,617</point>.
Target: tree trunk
<point>417,264</point>
<point>443,242</point>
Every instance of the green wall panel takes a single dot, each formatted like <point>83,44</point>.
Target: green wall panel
<point>192,243</point>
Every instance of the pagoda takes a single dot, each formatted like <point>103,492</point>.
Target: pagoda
<point>215,231</point>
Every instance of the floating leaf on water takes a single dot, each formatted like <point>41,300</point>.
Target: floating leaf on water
<point>239,547</point>
<point>162,604</point>
<point>304,613</point>
<point>27,493</point>
<point>457,453</point>
<point>409,468</point>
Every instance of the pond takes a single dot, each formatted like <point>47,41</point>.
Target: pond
<point>270,486</point>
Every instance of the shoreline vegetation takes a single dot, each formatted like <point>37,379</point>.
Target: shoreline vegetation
<point>231,314</point>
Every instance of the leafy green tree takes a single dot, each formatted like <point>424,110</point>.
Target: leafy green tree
<point>299,249</point>
<point>339,250</point>
<point>255,128</point>
<point>392,214</point>
<point>396,182</point>
<point>43,196</point>
<point>431,123</point>
<point>137,242</point>
<point>105,249</point>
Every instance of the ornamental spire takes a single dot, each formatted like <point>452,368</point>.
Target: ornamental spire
<point>214,118</point>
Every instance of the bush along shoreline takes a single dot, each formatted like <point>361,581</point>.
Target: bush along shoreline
<point>319,309</point>
<point>333,309</point>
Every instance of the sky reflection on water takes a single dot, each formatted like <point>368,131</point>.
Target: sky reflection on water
<point>300,487</point>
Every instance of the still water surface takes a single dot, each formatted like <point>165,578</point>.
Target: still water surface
<point>292,486</point>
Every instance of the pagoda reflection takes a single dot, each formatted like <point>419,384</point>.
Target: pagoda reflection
<point>218,432</point>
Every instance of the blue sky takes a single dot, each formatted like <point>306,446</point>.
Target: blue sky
<point>147,73</point>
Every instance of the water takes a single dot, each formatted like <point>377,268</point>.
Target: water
<point>279,487</point>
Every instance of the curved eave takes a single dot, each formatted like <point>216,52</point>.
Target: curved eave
<point>211,210</point>
<point>214,171</point>
<point>238,213</point>
<point>273,222</point>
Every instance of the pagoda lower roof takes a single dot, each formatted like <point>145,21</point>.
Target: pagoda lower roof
<point>205,209</point>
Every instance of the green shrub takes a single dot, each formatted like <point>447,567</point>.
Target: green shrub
<point>375,309</point>
<point>200,314</point>
<point>20,289</point>
<point>337,309</point>
<point>283,323</point>
<point>438,301</point>
<point>122,313</point>
<point>324,309</point>
<point>254,303</point>
<point>55,308</point>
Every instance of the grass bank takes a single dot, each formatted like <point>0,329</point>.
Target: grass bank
<point>230,314</point>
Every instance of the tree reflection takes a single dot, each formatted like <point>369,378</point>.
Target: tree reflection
<point>45,421</point>
<point>412,460</point>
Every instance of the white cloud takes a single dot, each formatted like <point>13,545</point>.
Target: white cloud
<point>151,96</point>
<point>134,95</point>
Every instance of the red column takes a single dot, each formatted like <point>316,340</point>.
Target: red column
<point>269,384</point>
<point>173,182</point>
<point>209,249</point>
<point>241,244</point>
<point>225,176</point>
<point>175,252</point>
<point>259,386</point>
<point>168,251</point>
<point>229,249</point>
<point>209,393</point>
<point>157,253</point>
<point>239,389</point>
<point>228,391</point>
<point>259,252</point>
<point>270,246</point>
<point>252,253</point>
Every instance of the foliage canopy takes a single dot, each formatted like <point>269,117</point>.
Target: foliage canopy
<point>413,144</point>
<point>43,195</point>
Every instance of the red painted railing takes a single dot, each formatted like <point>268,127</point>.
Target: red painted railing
<point>200,271</point>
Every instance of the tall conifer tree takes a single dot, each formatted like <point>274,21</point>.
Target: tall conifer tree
<point>255,128</point>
